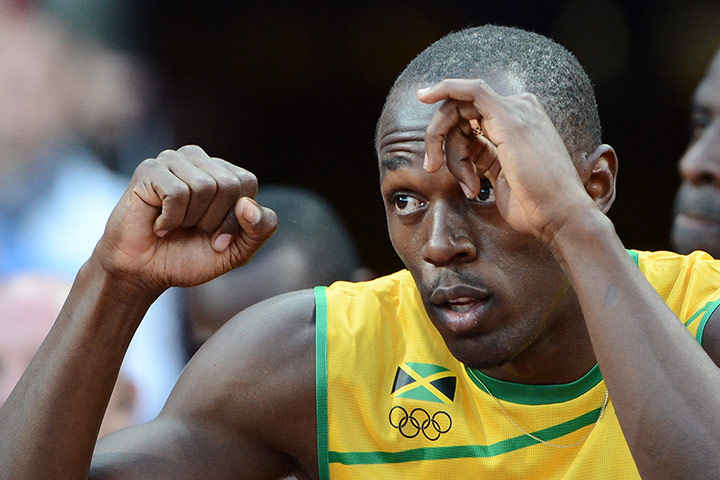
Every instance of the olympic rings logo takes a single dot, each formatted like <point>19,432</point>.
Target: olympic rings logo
<point>410,425</point>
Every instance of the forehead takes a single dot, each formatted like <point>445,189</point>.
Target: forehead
<point>405,118</point>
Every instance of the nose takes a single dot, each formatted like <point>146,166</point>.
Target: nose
<point>701,162</point>
<point>448,237</point>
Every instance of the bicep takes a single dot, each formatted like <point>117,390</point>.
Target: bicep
<point>242,408</point>
<point>170,448</point>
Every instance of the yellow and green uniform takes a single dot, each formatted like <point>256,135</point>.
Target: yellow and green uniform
<point>393,403</point>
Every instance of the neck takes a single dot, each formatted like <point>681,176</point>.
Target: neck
<point>561,353</point>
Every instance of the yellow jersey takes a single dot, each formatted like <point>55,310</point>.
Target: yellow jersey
<point>393,403</point>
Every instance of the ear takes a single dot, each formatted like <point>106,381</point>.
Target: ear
<point>598,171</point>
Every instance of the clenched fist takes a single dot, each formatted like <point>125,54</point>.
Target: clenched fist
<point>185,218</point>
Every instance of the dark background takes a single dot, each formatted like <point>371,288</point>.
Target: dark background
<point>292,90</point>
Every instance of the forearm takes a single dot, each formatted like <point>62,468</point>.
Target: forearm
<point>50,422</point>
<point>661,381</point>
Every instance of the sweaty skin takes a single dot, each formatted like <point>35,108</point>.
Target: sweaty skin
<point>245,405</point>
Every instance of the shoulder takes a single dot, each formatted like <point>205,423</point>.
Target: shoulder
<point>257,373</point>
<point>690,285</point>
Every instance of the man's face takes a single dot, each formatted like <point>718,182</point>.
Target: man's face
<point>697,204</point>
<point>492,293</point>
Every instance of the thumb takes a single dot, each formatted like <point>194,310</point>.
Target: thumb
<point>245,228</point>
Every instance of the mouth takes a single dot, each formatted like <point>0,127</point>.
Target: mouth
<point>461,309</point>
<point>698,206</point>
<point>688,221</point>
<point>460,305</point>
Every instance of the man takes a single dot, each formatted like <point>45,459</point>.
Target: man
<point>480,362</point>
<point>697,205</point>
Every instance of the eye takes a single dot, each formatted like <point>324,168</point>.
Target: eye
<point>404,203</point>
<point>487,193</point>
<point>699,121</point>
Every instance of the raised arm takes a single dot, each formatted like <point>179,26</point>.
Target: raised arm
<point>664,387</point>
<point>184,219</point>
<point>244,406</point>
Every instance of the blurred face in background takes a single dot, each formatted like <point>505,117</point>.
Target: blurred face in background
<point>697,204</point>
<point>34,89</point>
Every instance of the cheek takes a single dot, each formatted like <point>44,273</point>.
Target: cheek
<point>528,265</point>
<point>401,238</point>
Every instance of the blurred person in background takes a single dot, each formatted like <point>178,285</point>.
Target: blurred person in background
<point>311,247</point>
<point>697,205</point>
<point>58,96</point>
<point>29,305</point>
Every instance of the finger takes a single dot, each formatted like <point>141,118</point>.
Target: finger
<point>171,191</point>
<point>475,91</point>
<point>486,154</point>
<point>229,190</point>
<point>202,186</point>
<point>246,229</point>
<point>449,116</point>
<point>502,192</point>
<point>460,154</point>
<point>231,183</point>
<point>493,171</point>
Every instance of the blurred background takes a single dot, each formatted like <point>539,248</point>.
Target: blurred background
<point>292,90</point>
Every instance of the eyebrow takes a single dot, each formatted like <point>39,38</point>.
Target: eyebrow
<point>393,163</point>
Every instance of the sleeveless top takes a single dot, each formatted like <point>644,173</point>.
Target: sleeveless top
<point>393,403</point>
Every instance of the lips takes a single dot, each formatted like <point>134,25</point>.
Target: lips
<point>697,219</point>
<point>460,308</point>
<point>698,204</point>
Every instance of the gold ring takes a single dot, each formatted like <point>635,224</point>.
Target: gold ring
<point>476,128</point>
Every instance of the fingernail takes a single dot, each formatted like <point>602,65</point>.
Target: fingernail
<point>251,212</point>
<point>426,162</point>
<point>161,233</point>
<point>466,190</point>
<point>423,91</point>
<point>222,242</point>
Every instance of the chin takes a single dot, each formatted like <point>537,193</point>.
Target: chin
<point>685,244</point>
<point>476,354</point>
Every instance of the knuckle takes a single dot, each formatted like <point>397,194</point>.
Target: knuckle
<point>204,185</point>
<point>480,85</point>
<point>177,193</point>
<point>166,155</point>
<point>228,183</point>
<point>192,151</point>
<point>249,181</point>
<point>432,136</point>
<point>529,97</point>
<point>146,165</point>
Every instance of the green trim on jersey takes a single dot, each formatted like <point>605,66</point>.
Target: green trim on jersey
<point>321,381</point>
<point>466,451</point>
<point>704,313</point>
<point>709,309</point>
<point>634,255</point>
<point>536,394</point>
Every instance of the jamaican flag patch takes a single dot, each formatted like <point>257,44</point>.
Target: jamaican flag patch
<point>424,381</point>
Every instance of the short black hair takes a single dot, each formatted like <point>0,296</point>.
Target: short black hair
<point>547,69</point>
